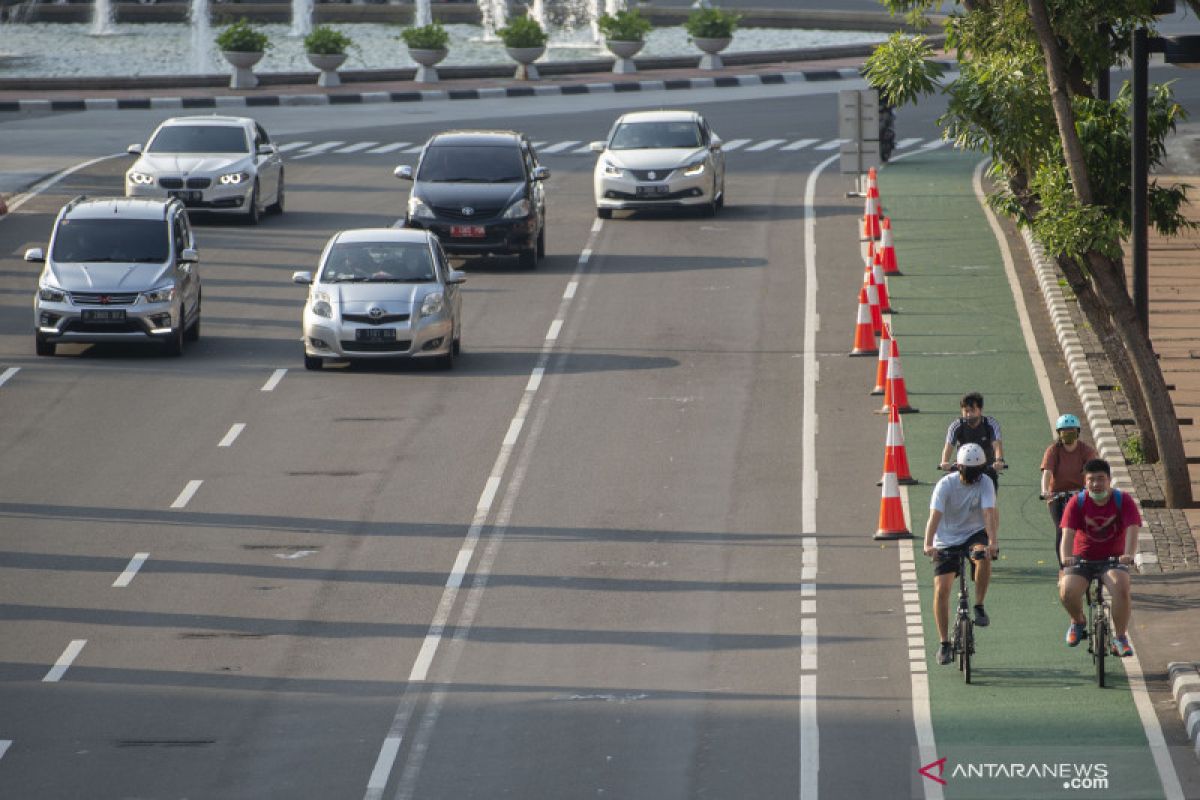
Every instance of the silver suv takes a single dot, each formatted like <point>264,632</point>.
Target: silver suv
<point>119,270</point>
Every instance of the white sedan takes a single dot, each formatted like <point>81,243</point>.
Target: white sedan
<point>225,165</point>
<point>659,159</point>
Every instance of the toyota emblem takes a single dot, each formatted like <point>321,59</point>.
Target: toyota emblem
<point>376,312</point>
<point>468,211</point>
<point>653,175</point>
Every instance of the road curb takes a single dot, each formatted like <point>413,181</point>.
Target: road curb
<point>1185,687</point>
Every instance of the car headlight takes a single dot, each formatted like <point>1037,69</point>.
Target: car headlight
<point>162,294</point>
<point>433,303</point>
<point>140,178</point>
<point>234,178</point>
<point>692,170</point>
<point>51,293</point>
<point>417,209</point>
<point>321,306</point>
<point>518,210</point>
<point>611,170</point>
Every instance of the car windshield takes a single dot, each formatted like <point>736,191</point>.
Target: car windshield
<point>382,262</point>
<point>108,239</point>
<point>460,164</point>
<point>655,135</point>
<point>199,139</point>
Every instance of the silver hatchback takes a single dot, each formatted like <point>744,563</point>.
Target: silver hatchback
<point>382,293</point>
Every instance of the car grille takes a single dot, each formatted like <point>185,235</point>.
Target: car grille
<point>367,319</point>
<point>171,183</point>
<point>644,174</point>
<point>456,212</point>
<point>192,183</point>
<point>79,326</point>
<point>94,299</point>
<point>398,346</point>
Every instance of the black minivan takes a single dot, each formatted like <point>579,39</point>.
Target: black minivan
<point>481,193</point>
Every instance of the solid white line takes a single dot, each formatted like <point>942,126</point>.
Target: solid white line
<point>535,379</point>
<point>733,144</point>
<point>799,144</point>
<point>460,568</point>
<point>186,494</point>
<point>19,200</point>
<point>388,148</point>
<point>64,661</point>
<point>558,148</point>
<point>283,148</point>
<point>555,328</point>
<point>274,380</point>
<point>8,373</point>
<point>489,493</point>
<point>808,644</point>
<point>514,431</point>
<point>420,668</point>
<point>810,744</point>
<point>234,431</point>
<point>383,764</point>
<point>4,745</point>
<point>764,145</point>
<point>903,143</point>
<point>135,564</point>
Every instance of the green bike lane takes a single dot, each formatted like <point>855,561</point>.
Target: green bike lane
<point>1033,723</point>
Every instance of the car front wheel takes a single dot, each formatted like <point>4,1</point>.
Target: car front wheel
<point>43,347</point>
<point>604,213</point>
<point>313,362</point>
<point>252,212</point>
<point>277,206</point>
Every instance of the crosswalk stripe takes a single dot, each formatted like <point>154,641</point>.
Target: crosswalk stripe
<point>799,143</point>
<point>559,147</point>
<point>414,149</point>
<point>832,144</point>
<point>587,148</point>
<point>283,148</point>
<point>317,149</point>
<point>733,144</point>
<point>903,143</point>
<point>354,148</point>
<point>388,148</point>
<point>767,145</point>
<point>538,145</point>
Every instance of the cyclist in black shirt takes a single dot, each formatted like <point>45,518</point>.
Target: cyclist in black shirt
<point>972,427</point>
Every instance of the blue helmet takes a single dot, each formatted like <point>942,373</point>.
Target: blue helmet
<point>1067,421</point>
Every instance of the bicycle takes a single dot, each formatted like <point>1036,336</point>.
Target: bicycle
<point>962,638</point>
<point>1099,624</point>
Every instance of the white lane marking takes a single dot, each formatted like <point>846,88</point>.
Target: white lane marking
<point>274,380</point>
<point>514,431</point>
<point>383,766</point>
<point>488,496</point>
<point>559,147</point>
<point>186,494</point>
<point>234,431</point>
<point>934,145</point>
<point>810,756</point>
<point>903,143</point>
<point>126,577</point>
<point>764,145</point>
<point>832,144</point>
<point>799,144</point>
<point>16,201</point>
<point>537,145</point>
<point>414,149</point>
<point>922,718</point>
<point>587,148</point>
<point>8,373</point>
<point>354,148</point>
<point>283,148</point>
<point>389,148</point>
<point>569,292</point>
<point>64,661</point>
<point>808,607</point>
<point>460,568</point>
<point>4,745</point>
<point>317,149</point>
<point>584,255</point>
<point>555,328</point>
<point>733,144</point>
<point>535,379</point>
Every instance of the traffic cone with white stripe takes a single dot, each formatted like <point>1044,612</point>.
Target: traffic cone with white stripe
<point>864,335</point>
<point>881,366</point>
<point>871,228</point>
<point>887,250</point>
<point>873,301</point>
<point>892,524</point>
<point>873,188</point>
<point>895,455</point>
<point>885,303</point>
<point>895,393</point>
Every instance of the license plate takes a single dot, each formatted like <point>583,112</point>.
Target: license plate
<point>651,191</point>
<point>375,334</point>
<point>467,231</point>
<point>103,315</point>
<point>186,196</point>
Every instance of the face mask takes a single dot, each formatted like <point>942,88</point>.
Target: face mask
<point>1068,437</point>
<point>1100,498</point>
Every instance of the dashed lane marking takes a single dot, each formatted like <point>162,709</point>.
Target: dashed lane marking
<point>135,564</point>
<point>8,373</point>
<point>186,494</point>
<point>64,661</point>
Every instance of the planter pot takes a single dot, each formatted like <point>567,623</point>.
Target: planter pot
<point>624,51</point>
<point>328,64</point>
<point>426,61</point>
<point>242,63</point>
<point>525,56</point>
<point>710,48</point>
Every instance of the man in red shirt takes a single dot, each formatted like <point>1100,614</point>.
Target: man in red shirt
<point>1098,523</point>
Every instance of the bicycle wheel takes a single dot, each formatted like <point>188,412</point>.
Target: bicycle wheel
<point>1100,647</point>
<point>965,636</point>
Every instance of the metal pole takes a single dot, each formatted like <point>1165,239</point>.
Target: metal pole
<point>1139,218</point>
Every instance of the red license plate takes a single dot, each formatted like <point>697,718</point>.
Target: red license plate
<point>467,231</point>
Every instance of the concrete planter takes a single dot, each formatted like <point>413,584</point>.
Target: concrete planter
<point>242,63</point>
<point>525,56</point>
<point>624,51</point>
<point>426,61</point>
<point>710,48</point>
<point>328,64</point>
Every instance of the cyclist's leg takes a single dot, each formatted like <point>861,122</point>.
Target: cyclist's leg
<point>1071,587</point>
<point>944,573</point>
<point>981,565</point>
<point>1117,582</point>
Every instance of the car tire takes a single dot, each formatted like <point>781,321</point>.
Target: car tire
<point>313,362</point>
<point>541,243</point>
<point>173,347</point>
<point>192,334</point>
<point>277,206</point>
<point>721,199</point>
<point>527,259</point>
<point>604,213</point>
<point>253,215</point>
<point>43,347</point>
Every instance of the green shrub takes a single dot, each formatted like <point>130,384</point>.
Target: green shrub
<point>326,41</point>
<point>626,26</point>
<point>522,32</point>
<point>426,37</point>
<point>1131,448</point>
<point>242,37</point>
<point>711,23</point>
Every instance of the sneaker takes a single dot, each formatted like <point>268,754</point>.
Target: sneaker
<point>981,617</point>
<point>945,654</point>
<point>1075,633</point>
<point>1121,647</point>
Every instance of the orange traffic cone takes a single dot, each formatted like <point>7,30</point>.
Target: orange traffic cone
<point>895,393</point>
<point>885,303</point>
<point>887,255</point>
<point>871,229</point>
<point>873,300</point>
<point>891,511</point>
<point>885,354</point>
<point>895,455</point>
<point>873,188</point>
<point>864,336</point>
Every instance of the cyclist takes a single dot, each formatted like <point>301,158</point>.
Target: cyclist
<point>962,513</point>
<point>973,426</point>
<point>1098,523</point>
<point>1062,471</point>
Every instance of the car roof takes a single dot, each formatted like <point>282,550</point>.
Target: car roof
<point>122,207</point>
<point>660,115</point>
<point>208,119</point>
<point>476,138</point>
<point>416,235</point>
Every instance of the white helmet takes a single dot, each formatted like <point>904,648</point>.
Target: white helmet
<point>971,455</point>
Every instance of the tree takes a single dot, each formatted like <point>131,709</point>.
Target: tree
<point>1060,159</point>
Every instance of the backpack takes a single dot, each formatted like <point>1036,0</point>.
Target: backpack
<point>1083,492</point>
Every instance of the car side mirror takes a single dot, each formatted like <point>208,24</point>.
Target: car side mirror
<point>189,256</point>
<point>541,173</point>
<point>403,172</point>
<point>266,149</point>
<point>35,254</point>
<point>304,278</point>
<point>715,143</point>
<point>456,276</point>
<point>596,147</point>
<point>134,149</point>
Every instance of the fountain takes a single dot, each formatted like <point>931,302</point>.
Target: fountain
<point>494,15</point>
<point>102,18</point>
<point>201,36</point>
<point>302,12</point>
<point>422,15</point>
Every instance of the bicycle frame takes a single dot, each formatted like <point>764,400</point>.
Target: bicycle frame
<point>1099,624</point>
<point>962,639</point>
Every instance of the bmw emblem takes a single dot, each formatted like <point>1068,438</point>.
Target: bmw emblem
<point>468,211</point>
<point>375,312</point>
<point>652,175</point>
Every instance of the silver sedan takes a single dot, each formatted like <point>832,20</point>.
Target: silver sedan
<point>382,293</point>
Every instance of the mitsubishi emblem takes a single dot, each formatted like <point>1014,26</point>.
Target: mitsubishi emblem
<point>468,211</point>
